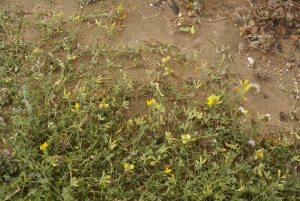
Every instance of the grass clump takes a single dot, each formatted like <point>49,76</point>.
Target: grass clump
<point>77,130</point>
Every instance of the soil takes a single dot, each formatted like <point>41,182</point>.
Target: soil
<point>276,67</point>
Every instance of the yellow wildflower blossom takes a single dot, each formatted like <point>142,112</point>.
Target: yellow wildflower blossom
<point>153,104</point>
<point>244,87</point>
<point>128,167</point>
<point>213,100</point>
<point>259,154</point>
<point>77,17</point>
<point>168,170</point>
<point>165,59</point>
<point>76,108</point>
<point>185,138</point>
<point>168,70</point>
<point>240,189</point>
<point>44,146</point>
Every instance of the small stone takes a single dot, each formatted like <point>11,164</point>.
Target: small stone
<point>251,60</point>
<point>261,73</point>
<point>251,22</point>
<point>282,116</point>
<point>280,31</point>
<point>294,38</point>
<point>288,65</point>
<point>291,59</point>
<point>253,30</point>
<point>242,31</point>
<point>191,13</point>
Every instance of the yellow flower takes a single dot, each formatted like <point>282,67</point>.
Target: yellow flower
<point>6,80</point>
<point>259,154</point>
<point>244,87</point>
<point>44,146</point>
<point>169,138</point>
<point>73,58</point>
<point>77,17</point>
<point>168,170</point>
<point>76,107</point>
<point>128,167</point>
<point>213,100</point>
<point>165,59</point>
<point>185,138</point>
<point>153,104</point>
<point>279,173</point>
<point>240,189</point>
<point>296,135</point>
<point>168,70</point>
<point>105,106</point>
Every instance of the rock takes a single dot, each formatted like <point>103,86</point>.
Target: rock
<point>253,30</point>
<point>191,13</point>
<point>242,31</point>
<point>294,38</point>
<point>280,31</point>
<point>261,73</point>
<point>251,22</point>
<point>291,59</point>
<point>288,65</point>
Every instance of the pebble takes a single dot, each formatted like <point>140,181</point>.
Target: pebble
<point>253,29</point>
<point>294,38</point>
<point>191,13</point>
<point>291,59</point>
